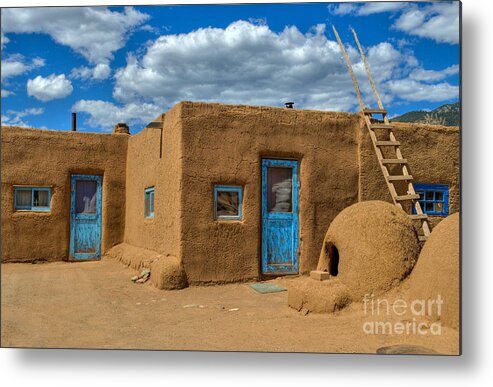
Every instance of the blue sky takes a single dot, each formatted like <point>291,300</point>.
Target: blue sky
<point>113,64</point>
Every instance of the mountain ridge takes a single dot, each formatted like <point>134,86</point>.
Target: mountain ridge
<point>448,115</point>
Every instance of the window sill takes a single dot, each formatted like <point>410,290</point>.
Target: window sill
<point>226,221</point>
<point>27,212</point>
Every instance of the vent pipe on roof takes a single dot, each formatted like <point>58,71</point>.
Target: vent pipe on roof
<point>289,105</point>
<point>74,122</point>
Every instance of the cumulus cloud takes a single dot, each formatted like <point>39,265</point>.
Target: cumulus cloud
<point>243,63</point>
<point>15,65</point>
<point>99,72</point>
<point>249,63</point>
<point>95,33</point>
<point>438,21</point>
<point>16,118</point>
<point>49,88</point>
<point>106,114</point>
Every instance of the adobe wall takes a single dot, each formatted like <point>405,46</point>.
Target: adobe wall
<point>146,169</point>
<point>224,144</point>
<point>47,158</point>
<point>433,153</point>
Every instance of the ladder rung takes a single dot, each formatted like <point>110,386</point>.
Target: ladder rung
<point>394,161</point>
<point>388,143</point>
<point>399,177</point>
<point>422,238</point>
<point>407,197</point>
<point>374,111</point>
<point>381,126</point>
<point>418,216</point>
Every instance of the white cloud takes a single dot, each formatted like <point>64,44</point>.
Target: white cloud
<point>16,118</point>
<point>12,68</point>
<point>3,40</point>
<point>433,75</point>
<point>99,72</point>
<point>250,64</point>
<point>106,114</point>
<point>6,93</point>
<point>438,21</point>
<point>412,90</point>
<point>244,63</point>
<point>49,88</point>
<point>366,9</point>
<point>15,65</point>
<point>342,8</point>
<point>95,33</point>
<point>379,7</point>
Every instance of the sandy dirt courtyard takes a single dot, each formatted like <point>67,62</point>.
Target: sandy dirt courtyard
<point>95,305</point>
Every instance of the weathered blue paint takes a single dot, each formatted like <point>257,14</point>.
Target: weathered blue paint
<point>85,229</point>
<point>280,229</point>
<point>31,207</point>
<point>433,195</point>
<point>229,188</point>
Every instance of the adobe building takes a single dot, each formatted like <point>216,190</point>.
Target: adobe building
<point>234,192</point>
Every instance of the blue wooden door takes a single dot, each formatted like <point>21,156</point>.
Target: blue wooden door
<point>279,216</point>
<point>85,217</point>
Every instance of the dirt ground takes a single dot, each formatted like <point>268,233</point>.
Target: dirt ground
<point>95,305</point>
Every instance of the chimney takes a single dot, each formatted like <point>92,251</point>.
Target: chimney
<point>289,105</point>
<point>121,127</point>
<point>74,122</point>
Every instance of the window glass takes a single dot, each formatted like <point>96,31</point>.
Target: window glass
<point>40,198</point>
<point>85,196</point>
<point>279,189</point>
<point>32,198</point>
<point>433,198</point>
<point>23,198</point>
<point>227,203</point>
<point>149,203</point>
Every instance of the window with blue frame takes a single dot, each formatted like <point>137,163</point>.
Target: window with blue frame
<point>433,198</point>
<point>32,198</point>
<point>149,202</point>
<point>228,202</point>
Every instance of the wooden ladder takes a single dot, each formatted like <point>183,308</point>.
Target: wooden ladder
<point>394,166</point>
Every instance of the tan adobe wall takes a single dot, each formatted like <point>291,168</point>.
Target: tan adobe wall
<point>145,169</point>
<point>47,158</point>
<point>432,152</point>
<point>224,144</point>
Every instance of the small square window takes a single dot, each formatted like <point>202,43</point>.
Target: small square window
<point>433,198</point>
<point>32,198</point>
<point>149,202</point>
<point>228,202</point>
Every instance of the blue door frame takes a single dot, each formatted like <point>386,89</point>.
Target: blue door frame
<point>85,217</point>
<point>279,225</point>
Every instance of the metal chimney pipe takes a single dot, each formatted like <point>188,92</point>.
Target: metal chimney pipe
<point>74,122</point>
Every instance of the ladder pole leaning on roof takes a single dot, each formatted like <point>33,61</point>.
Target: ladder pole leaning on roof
<point>350,68</point>
<point>368,72</point>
